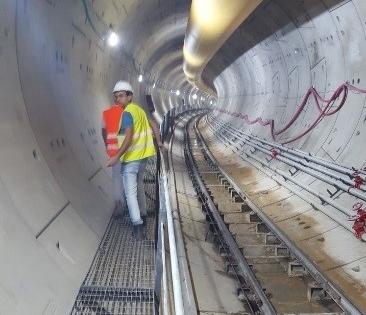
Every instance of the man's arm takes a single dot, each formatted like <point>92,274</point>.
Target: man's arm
<point>127,130</point>
<point>124,147</point>
<point>156,131</point>
<point>126,142</point>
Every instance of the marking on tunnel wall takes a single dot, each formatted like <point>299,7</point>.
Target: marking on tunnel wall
<point>50,309</point>
<point>52,3</point>
<point>95,173</point>
<point>64,252</point>
<point>52,219</point>
<point>79,30</point>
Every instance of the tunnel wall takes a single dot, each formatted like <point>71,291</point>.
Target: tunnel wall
<point>57,74</point>
<point>267,66</point>
<point>55,196</point>
<point>283,49</point>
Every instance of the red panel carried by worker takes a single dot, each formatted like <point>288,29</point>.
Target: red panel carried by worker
<point>111,119</point>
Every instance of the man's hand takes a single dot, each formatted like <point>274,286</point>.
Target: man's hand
<point>125,145</point>
<point>112,161</point>
<point>161,146</point>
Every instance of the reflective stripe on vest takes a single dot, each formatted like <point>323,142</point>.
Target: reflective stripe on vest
<point>142,134</point>
<point>138,147</point>
<point>112,135</point>
<point>112,147</point>
<point>112,118</point>
<point>142,145</point>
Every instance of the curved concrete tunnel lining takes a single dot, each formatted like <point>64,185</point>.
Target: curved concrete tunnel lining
<point>267,100</point>
<point>169,31</point>
<point>32,195</point>
<point>264,103</point>
<point>280,62</point>
<point>64,105</point>
<point>269,95</point>
<point>171,71</point>
<point>156,65</point>
<point>66,76</point>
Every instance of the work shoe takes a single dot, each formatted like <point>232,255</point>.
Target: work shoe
<point>138,232</point>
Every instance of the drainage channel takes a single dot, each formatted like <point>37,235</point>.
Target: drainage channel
<point>270,278</point>
<point>121,279</point>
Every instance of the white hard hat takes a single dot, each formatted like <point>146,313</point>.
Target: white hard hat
<point>122,86</point>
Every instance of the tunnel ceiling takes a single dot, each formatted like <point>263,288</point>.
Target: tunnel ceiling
<point>152,32</point>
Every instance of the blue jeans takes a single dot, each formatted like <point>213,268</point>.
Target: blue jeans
<point>133,181</point>
<point>118,192</point>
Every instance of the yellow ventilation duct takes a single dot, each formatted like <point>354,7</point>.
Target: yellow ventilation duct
<point>211,22</point>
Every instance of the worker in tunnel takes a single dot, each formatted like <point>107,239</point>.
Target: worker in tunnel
<point>136,145</point>
<point>110,129</point>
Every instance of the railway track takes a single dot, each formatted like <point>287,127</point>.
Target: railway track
<point>272,276</point>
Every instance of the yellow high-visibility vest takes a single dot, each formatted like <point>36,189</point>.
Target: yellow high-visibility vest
<point>142,145</point>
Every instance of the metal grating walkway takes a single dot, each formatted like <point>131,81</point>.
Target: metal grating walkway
<point>121,277</point>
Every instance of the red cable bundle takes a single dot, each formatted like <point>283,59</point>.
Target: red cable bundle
<point>359,227</point>
<point>274,153</point>
<point>358,180</point>
<point>341,91</point>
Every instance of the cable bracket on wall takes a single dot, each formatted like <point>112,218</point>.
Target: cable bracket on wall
<point>293,173</point>
<point>332,194</point>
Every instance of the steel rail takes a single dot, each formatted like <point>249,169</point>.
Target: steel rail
<point>335,292</point>
<point>266,306</point>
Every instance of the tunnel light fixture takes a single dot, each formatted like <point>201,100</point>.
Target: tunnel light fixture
<point>177,92</point>
<point>140,78</point>
<point>113,39</point>
<point>194,96</point>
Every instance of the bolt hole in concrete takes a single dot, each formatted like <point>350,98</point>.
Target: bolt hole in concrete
<point>35,155</point>
<point>356,269</point>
